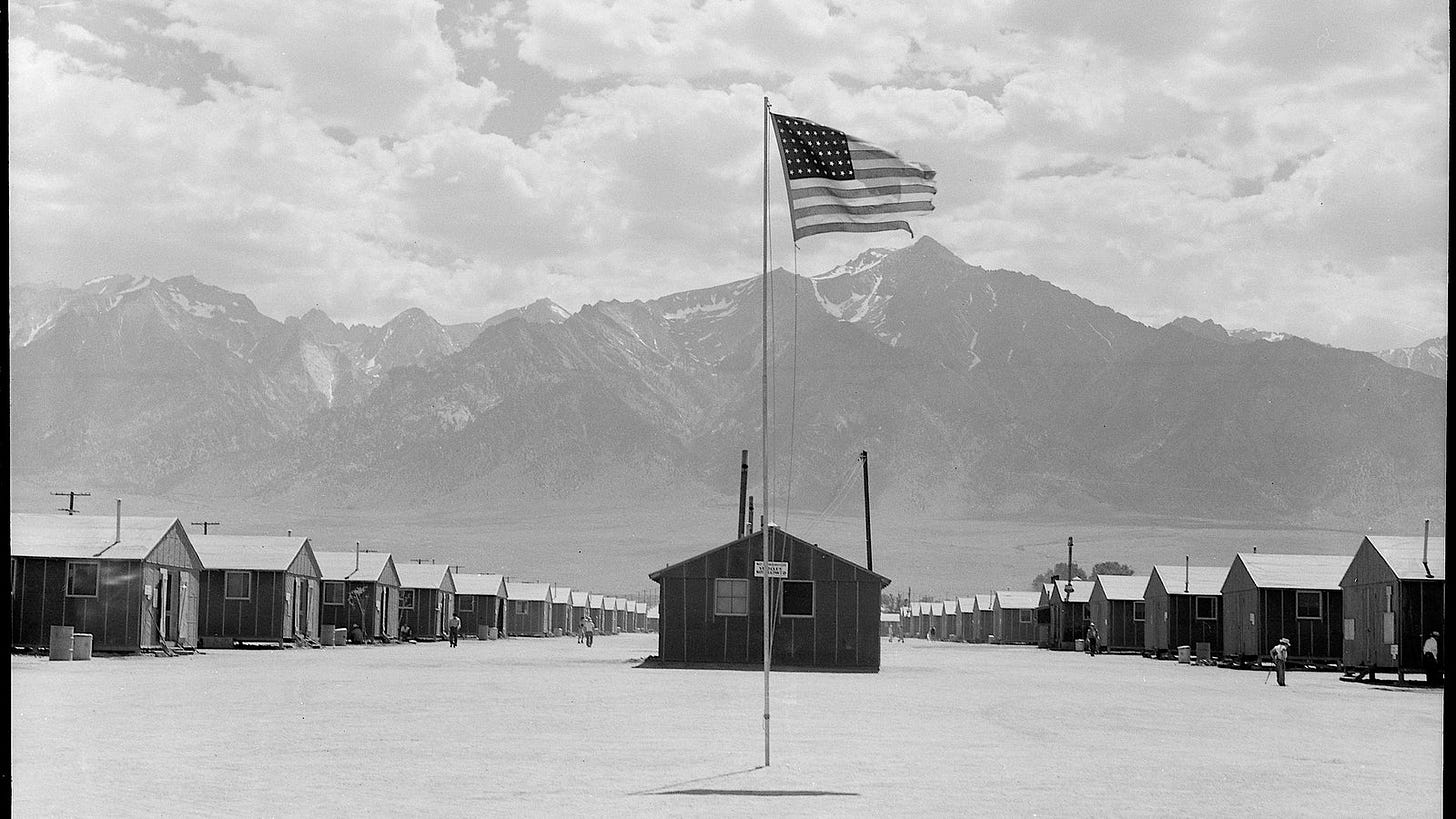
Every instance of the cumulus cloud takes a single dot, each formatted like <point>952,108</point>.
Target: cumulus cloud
<point>1272,165</point>
<point>80,34</point>
<point>228,189</point>
<point>664,40</point>
<point>374,67</point>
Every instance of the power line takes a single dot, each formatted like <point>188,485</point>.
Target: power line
<point>839,495</point>
<point>70,508</point>
<point>205,523</point>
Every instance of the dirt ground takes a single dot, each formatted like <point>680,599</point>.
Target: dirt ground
<point>537,725</point>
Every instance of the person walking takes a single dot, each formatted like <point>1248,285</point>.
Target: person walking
<point>1091,638</point>
<point>454,630</point>
<point>1431,658</point>
<point>1280,655</point>
<point>588,627</point>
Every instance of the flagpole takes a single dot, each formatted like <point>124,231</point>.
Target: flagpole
<point>764,461</point>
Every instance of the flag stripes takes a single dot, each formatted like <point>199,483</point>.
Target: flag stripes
<point>839,183</point>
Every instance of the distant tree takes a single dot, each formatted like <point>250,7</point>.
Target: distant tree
<point>1059,570</point>
<point>1112,567</point>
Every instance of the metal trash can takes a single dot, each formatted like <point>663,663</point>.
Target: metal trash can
<point>81,647</point>
<point>1079,644</point>
<point>492,633</point>
<point>326,635</point>
<point>1183,654</point>
<point>63,642</point>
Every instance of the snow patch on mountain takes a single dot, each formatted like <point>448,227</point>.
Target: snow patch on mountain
<point>716,308</point>
<point>856,307</point>
<point>1250,334</point>
<point>1428,357</point>
<point>858,264</point>
<point>320,368</point>
<point>34,332</point>
<point>118,284</point>
<point>197,308</point>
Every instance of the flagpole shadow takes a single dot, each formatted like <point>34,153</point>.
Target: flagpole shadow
<point>665,788</point>
<point>682,789</point>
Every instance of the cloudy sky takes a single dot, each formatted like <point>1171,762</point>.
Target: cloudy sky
<point>1284,166</point>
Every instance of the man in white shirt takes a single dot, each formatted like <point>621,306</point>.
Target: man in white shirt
<point>1431,657</point>
<point>1280,655</point>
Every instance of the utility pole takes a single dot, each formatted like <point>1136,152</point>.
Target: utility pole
<point>742,493</point>
<point>1067,631</point>
<point>205,523</point>
<point>864,458</point>
<point>70,508</point>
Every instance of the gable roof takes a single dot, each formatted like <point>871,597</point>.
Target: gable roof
<point>561,595</point>
<point>937,608</point>
<point>1017,599</point>
<point>90,537</point>
<point>367,567</point>
<point>579,599</point>
<point>481,585</point>
<point>1201,580</point>
<point>758,538</point>
<point>1081,590</point>
<point>984,601</point>
<point>623,604</point>
<point>1274,571</point>
<point>967,604</point>
<point>425,576</point>
<point>1123,586</point>
<point>641,608</point>
<point>952,606</point>
<point>257,553</point>
<point>594,601</point>
<point>1403,555</point>
<point>520,590</point>
<point>889,617</point>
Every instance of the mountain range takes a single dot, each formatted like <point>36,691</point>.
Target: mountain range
<point>978,393</point>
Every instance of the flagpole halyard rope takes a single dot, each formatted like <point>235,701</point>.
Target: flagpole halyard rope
<point>793,394</point>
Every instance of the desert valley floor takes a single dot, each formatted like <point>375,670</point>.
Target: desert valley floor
<point>537,726</point>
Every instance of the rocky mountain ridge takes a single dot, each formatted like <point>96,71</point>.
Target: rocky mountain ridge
<point>981,393</point>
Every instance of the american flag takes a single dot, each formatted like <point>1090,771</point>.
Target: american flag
<point>838,182</point>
